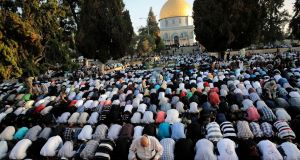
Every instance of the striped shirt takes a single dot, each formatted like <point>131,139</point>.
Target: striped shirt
<point>105,149</point>
<point>284,130</point>
<point>228,129</point>
<point>213,132</point>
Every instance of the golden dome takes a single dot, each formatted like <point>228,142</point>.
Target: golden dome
<point>175,8</point>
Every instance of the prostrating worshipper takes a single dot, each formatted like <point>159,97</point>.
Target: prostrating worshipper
<point>145,148</point>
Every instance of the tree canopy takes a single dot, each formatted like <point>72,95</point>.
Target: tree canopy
<point>105,31</point>
<point>223,24</point>
<point>149,36</point>
<point>295,22</point>
<point>28,32</point>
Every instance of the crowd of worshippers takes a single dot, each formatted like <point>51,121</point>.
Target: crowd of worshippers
<point>174,113</point>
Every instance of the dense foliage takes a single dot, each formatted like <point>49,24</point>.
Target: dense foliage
<point>295,22</point>
<point>149,36</point>
<point>31,31</point>
<point>105,29</point>
<point>223,24</point>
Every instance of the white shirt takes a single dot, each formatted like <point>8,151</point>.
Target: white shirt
<point>45,133</point>
<point>33,133</point>
<point>161,95</point>
<point>83,118</point>
<point>194,108</point>
<point>113,131</point>
<point>154,150</point>
<point>246,104</point>
<point>2,116</point>
<point>226,148</point>
<point>291,151</point>
<point>79,103</point>
<point>88,104</point>
<point>277,77</point>
<point>8,133</point>
<point>256,85</point>
<point>205,150</point>
<point>138,131</point>
<point>269,150</point>
<point>51,146</point>
<point>46,110</point>
<point>3,149</point>
<point>142,108</point>
<point>18,111</point>
<point>93,118</point>
<point>63,118</point>
<point>281,114</point>
<point>95,104</point>
<point>136,118</point>
<point>102,97</point>
<point>74,118</point>
<point>72,95</point>
<point>66,150</point>
<point>86,133</point>
<point>172,116</point>
<point>128,108</point>
<point>136,102</point>
<point>179,107</point>
<point>148,117</point>
<point>100,132</point>
<point>9,110</point>
<point>39,102</point>
<point>20,149</point>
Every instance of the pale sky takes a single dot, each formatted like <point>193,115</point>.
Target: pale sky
<point>139,9</point>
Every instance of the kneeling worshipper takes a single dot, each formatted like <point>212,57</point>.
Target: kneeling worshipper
<point>145,148</point>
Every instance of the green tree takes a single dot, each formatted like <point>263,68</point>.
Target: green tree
<point>223,24</point>
<point>133,44</point>
<point>109,30</point>
<point>146,45</point>
<point>274,20</point>
<point>295,22</point>
<point>152,30</point>
<point>27,30</point>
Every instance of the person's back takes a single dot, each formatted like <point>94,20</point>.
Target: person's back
<point>164,131</point>
<point>168,144</point>
<point>184,149</point>
<point>145,148</point>
<point>205,150</point>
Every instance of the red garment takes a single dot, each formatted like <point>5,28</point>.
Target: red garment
<point>72,103</point>
<point>107,103</point>
<point>214,90</point>
<point>160,117</point>
<point>252,114</point>
<point>39,109</point>
<point>199,90</point>
<point>206,84</point>
<point>214,99</point>
<point>182,94</point>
